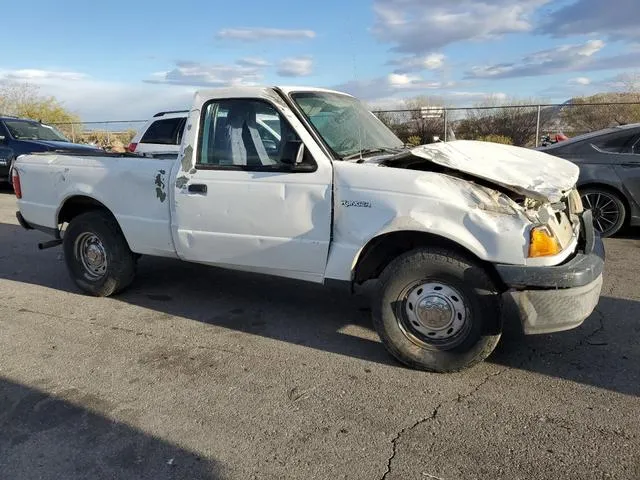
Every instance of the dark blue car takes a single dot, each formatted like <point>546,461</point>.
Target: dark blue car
<point>19,136</point>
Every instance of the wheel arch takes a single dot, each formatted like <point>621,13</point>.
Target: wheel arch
<point>78,204</point>
<point>382,249</point>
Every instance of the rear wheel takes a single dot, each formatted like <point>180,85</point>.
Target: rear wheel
<point>436,310</point>
<point>608,210</point>
<point>97,255</point>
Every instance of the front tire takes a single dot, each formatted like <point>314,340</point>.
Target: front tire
<point>608,209</point>
<point>437,311</point>
<point>97,255</point>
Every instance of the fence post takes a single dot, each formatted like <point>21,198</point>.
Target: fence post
<point>73,133</point>
<point>445,124</point>
<point>538,127</point>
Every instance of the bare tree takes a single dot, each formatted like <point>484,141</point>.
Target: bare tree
<point>24,100</point>
<point>425,120</point>
<point>513,120</point>
<point>398,122</point>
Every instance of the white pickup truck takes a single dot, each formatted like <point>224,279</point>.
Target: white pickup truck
<point>308,184</point>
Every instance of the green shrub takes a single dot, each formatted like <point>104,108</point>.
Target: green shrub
<point>414,140</point>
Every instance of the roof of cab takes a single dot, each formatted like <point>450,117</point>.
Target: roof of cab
<point>266,92</point>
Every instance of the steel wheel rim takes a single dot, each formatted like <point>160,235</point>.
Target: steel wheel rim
<point>604,209</point>
<point>88,248</point>
<point>433,314</point>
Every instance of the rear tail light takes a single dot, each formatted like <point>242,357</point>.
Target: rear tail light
<point>15,179</point>
<point>132,147</point>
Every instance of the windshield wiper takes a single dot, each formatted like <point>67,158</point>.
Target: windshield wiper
<point>369,151</point>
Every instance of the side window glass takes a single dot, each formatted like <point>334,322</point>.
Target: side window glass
<point>163,132</point>
<point>636,147</point>
<point>246,133</point>
<point>615,143</point>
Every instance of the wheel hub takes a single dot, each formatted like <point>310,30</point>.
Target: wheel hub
<point>435,310</point>
<point>95,256</point>
<point>92,254</point>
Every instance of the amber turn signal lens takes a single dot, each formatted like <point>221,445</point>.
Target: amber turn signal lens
<point>543,243</point>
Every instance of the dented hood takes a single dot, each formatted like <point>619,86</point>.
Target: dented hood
<point>528,172</point>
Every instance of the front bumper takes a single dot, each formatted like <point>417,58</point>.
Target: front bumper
<point>561,297</point>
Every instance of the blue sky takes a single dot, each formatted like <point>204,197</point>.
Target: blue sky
<point>125,60</point>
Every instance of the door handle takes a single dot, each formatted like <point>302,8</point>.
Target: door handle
<point>198,188</point>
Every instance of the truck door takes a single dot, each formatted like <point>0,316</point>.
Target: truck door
<point>248,205</point>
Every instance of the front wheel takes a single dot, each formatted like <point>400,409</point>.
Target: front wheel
<point>608,210</point>
<point>436,310</point>
<point>97,254</point>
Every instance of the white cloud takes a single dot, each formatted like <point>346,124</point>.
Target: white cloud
<point>432,61</point>
<point>96,100</point>
<point>261,34</point>
<point>623,82</point>
<point>564,58</point>
<point>420,26</point>
<point>390,86</point>
<point>252,62</point>
<point>580,81</point>
<point>31,74</point>
<point>242,73</point>
<point>295,67</point>
<point>412,82</point>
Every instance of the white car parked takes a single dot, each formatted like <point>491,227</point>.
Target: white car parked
<point>160,135</point>
<point>328,194</point>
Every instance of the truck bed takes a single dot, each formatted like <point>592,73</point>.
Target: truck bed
<point>141,205</point>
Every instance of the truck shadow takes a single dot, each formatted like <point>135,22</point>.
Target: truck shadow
<point>53,437</point>
<point>603,352</point>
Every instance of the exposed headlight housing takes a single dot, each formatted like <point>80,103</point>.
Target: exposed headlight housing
<point>543,243</point>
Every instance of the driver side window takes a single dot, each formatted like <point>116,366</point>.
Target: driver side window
<point>246,134</point>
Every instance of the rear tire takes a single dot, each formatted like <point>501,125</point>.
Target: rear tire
<point>97,255</point>
<point>437,311</point>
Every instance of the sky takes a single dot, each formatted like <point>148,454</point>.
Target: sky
<point>124,60</point>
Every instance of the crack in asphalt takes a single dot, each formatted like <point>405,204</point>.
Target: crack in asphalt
<point>459,398</point>
<point>401,432</point>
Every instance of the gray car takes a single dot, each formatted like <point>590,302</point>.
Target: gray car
<point>609,182</point>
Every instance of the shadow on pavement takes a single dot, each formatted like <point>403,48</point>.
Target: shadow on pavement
<point>603,352</point>
<point>631,233</point>
<point>60,437</point>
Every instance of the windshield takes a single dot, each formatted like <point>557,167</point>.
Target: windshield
<point>345,124</point>
<point>25,130</point>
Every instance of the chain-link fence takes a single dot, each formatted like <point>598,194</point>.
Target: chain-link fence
<point>112,134</point>
<point>522,125</point>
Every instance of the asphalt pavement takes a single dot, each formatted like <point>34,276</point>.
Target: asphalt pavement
<point>200,373</point>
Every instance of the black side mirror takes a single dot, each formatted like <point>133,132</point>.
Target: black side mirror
<point>293,153</point>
